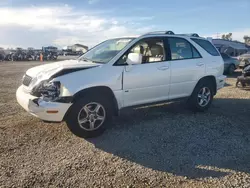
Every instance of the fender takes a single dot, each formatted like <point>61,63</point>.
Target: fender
<point>100,90</point>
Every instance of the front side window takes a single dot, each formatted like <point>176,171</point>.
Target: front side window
<point>151,49</point>
<point>206,45</point>
<point>106,51</point>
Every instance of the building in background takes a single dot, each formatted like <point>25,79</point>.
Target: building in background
<point>77,48</point>
<point>248,47</point>
<point>232,48</point>
<point>50,49</point>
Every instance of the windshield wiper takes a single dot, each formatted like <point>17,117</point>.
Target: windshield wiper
<point>88,60</point>
<point>84,59</point>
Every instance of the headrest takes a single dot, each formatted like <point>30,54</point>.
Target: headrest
<point>139,50</point>
<point>156,49</point>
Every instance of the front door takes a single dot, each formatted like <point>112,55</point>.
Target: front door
<point>149,81</point>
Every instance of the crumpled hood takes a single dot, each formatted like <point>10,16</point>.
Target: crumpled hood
<point>48,70</point>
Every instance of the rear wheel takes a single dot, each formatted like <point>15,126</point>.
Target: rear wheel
<point>231,69</point>
<point>202,96</point>
<point>89,117</point>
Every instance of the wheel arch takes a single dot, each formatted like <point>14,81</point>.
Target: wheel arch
<point>211,79</point>
<point>102,91</point>
<point>232,64</point>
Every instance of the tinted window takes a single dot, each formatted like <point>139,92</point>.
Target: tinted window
<point>206,45</point>
<point>196,54</point>
<point>182,49</point>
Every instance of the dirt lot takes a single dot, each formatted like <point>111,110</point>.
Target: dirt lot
<point>165,146</point>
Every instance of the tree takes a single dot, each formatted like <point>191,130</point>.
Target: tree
<point>246,39</point>
<point>227,36</point>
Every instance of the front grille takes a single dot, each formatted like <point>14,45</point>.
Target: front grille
<point>26,80</point>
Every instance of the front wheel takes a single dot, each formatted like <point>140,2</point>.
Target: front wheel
<point>89,117</point>
<point>202,97</point>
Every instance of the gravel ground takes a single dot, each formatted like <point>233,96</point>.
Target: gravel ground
<point>163,146</point>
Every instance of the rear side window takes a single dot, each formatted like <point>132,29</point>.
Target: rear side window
<point>196,54</point>
<point>182,49</point>
<point>206,45</point>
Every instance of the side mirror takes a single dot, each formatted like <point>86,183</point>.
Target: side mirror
<point>134,58</point>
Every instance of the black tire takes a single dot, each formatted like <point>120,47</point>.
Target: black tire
<point>231,69</point>
<point>193,101</point>
<point>72,116</point>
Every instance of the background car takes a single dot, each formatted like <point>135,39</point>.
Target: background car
<point>244,59</point>
<point>2,54</point>
<point>230,63</point>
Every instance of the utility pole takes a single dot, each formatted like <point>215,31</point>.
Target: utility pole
<point>218,36</point>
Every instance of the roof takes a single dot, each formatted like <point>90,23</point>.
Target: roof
<point>80,45</point>
<point>234,44</point>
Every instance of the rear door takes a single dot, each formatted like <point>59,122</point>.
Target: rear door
<point>214,61</point>
<point>187,67</point>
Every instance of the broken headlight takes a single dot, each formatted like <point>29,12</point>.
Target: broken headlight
<point>48,91</point>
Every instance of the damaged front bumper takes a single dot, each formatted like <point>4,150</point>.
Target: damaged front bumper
<point>48,111</point>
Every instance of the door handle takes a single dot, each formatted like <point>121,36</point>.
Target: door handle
<point>200,64</point>
<point>163,68</point>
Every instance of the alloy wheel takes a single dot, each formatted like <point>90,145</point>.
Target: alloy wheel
<point>204,96</point>
<point>91,116</point>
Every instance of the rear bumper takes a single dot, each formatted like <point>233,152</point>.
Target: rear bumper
<point>41,108</point>
<point>220,81</point>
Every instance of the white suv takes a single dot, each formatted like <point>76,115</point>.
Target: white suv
<point>123,72</point>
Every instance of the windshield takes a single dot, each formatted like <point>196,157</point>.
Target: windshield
<point>106,50</point>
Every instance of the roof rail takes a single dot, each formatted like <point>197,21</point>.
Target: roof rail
<point>160,32</point>
<point>190,35</point>
<point>171,33</point>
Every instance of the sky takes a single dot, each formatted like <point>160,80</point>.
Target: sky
<point>32,23</point>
